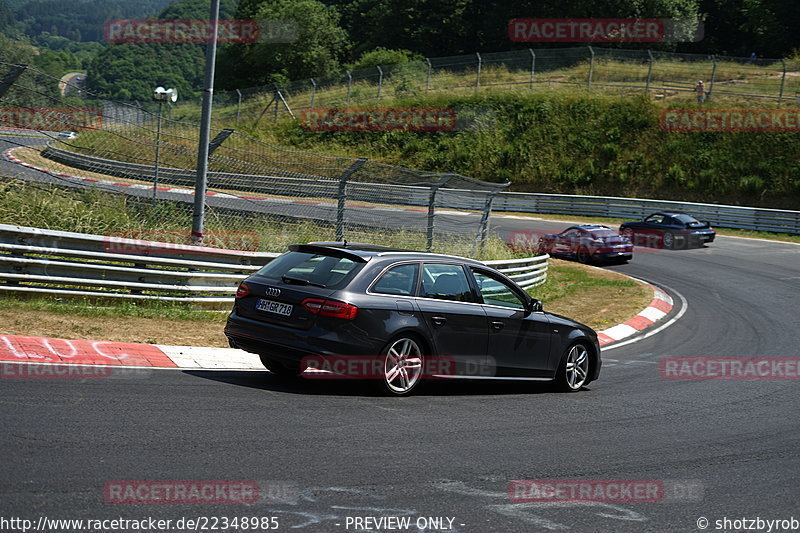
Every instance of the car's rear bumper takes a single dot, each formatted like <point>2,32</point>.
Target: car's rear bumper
<point>291,345</point>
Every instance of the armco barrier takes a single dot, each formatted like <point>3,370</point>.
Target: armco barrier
<point>61,263</point>
<point>723,216</point>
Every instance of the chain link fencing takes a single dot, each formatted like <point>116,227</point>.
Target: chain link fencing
<point>667,75</point>
<point>132,171</point>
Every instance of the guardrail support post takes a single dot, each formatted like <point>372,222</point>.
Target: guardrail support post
<point>342,196</point>
<point>380,82</point>
<point>478,79</point>
<point>432,209</point>
<point>533,65</point>
<point>483,225</point>
<point>649,71</point>
<point>591,67</point>
<point>313,91</point>
<point>349,85</point>
<point>428,78</point>
<point>783,80</point>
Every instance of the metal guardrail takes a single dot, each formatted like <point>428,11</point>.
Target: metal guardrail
<point>60,263</point>
<point>723,216</point>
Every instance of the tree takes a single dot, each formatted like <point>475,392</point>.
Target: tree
<point>316,50</point>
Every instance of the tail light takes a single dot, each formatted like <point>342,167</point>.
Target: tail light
<point>242,291</point>
<point>330,308</point>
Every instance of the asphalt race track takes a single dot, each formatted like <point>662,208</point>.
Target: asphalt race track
<point>451,450</point>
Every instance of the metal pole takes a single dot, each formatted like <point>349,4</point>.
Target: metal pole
<point>533,65</point>
<point>238,106</point>
<point>649,71</point>
<point>198,216</point>
<point>349,85</point>
<point>428,79</point>
<point>591,67</point>
<point>343,197</point>
<point>380,82</point>
<point>158,150</point>
<point>478,79</point>
<point>713,77</point>
<point>313,91</point>
<point>783,80</point>
<point>483,231</point>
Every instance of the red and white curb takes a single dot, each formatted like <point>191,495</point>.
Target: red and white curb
<point>53,351</point>
<point>45,350</point>
<point>9,156</point>
<point>659,307</point>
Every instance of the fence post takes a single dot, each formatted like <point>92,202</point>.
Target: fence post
<point>649,71</point>
<point>313,91</point>
<point>432,209</point>
<point>591,67</point>
<point>478,79</point>
<point>783,80</point>
<point>342,196</point>
<point>533,65</point>
<point>380,82</point>
<point>713,77</point>
<point>349,85</point>
<point>428,78</point>
<point>238,105</point>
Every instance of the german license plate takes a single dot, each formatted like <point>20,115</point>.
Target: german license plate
<point>274,307</point>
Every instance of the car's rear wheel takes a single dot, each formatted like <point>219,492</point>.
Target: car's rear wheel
<point>280,369</point>
<point>403,361</point>
<point>584,255</point>
<point>573,371</point>
<point>628,232</point>
<point>669,239</point>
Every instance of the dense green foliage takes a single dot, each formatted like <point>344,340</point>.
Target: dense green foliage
<point>131,71</point>
<point>77,20</point>
<point>582,144</point>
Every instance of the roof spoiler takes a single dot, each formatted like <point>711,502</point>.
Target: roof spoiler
<point>328,250</point>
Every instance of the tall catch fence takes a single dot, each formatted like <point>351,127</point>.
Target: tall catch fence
<point>666,75</point>
<point>260,197</point>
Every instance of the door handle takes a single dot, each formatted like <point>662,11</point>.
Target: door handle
<point>438,320</point>
<point>497,325</point>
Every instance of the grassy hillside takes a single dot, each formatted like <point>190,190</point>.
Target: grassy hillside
<point>579,143</point>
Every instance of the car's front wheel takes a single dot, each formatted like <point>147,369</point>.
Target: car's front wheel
<point>573,371</point>
<point>584,255</point>
<point>403,361</point>
<point>669,240</point>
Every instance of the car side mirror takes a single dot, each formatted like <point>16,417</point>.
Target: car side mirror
<point>534,305</point>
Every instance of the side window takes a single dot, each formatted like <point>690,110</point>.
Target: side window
<point>400,280</point>
<point>496,292</point>
<point>655,219</point>
<point>445,282</point>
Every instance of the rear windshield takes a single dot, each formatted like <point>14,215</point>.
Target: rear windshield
<point>686,219</point>
<point>319,269</point>
<point>603,233</point>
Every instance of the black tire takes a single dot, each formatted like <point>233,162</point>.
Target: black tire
<point>568,378</point>
<point>584,256</point>
<point>403,365</point>
<point>286,370</point>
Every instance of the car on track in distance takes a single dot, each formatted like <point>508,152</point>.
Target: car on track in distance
<point>587,243</point>
<point>66,135</point>
<point>404,310</point>
<point>670,230</point>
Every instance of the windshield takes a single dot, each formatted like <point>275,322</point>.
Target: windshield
<point>317,269</point>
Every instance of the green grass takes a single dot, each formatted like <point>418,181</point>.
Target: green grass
<point>92,308</point>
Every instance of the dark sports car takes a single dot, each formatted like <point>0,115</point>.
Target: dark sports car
<point>371,312</point>
<point>587,243</point>
<point>668,230</point>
